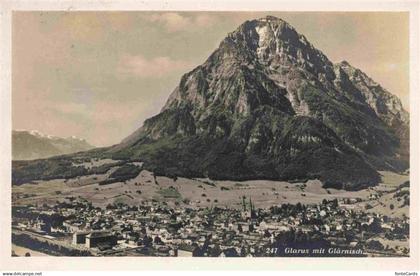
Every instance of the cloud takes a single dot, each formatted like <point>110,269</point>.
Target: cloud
<point>174,22</point>
<point>156,67</point>
<point>97,122</point>
<point>204,20</point>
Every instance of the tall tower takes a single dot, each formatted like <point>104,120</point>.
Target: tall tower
<point>250,205</point>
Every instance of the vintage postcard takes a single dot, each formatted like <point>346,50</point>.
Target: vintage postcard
<point>208,133</point>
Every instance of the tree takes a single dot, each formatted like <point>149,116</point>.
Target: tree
<point>147,241</point>
<point>197,252</point>
<point>216,251</point>
<point>376,245</point>
<point>244,252</point>
<point>158,240</point>
<point>240,228</point>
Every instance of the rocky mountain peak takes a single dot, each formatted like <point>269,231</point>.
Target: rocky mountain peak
<point>276,44</point>
<point>386,105</point>
<point>267,52</point>
<point>268,104</point>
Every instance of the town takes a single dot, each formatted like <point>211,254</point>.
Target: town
<point>77,228</point>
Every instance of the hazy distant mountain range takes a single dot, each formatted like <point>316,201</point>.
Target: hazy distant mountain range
<point>267,104</point>
<point>31,144</point>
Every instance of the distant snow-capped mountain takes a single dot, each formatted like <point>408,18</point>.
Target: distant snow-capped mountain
<point>32,144</point>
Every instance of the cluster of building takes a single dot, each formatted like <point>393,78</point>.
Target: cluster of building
<point>153,229</point>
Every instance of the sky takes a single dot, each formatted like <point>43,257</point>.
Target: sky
<point>99,75</point>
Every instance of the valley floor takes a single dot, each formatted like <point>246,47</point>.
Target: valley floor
<point>157,197</point>
<point>206,193</point>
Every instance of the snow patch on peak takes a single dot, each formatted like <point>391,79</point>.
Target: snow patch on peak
<point>40,134</point>
<point>263,39</point>
<point>263,34</point>
<point>76,138</point>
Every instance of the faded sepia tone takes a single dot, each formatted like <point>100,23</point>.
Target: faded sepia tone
<point>219,134</point>
<point>99,75</point>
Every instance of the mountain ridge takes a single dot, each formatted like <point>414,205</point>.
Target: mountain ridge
<point>266,104</point>
<point>263,78</point>
<point>32,144</point>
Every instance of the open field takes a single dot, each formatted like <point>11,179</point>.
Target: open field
<point>204,192</point>
<point>21,251</point>
<point>96,163</point>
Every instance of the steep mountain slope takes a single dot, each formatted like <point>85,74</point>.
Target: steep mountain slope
<point>34,145</point>
<point>268,104</point>
<point>385,105</point>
